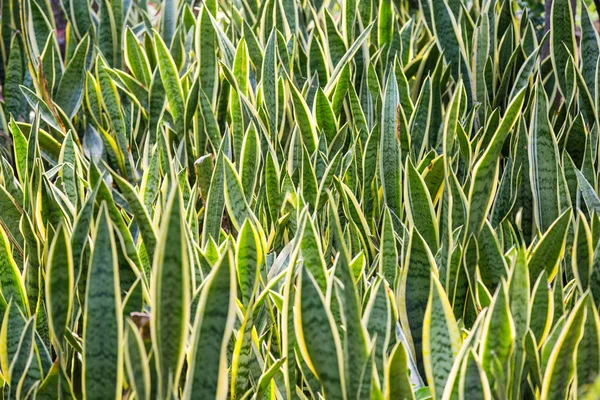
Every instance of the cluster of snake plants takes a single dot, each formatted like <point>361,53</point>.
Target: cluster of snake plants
<point>299,199</point>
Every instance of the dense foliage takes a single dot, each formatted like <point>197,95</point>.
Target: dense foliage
<point>299,199</point>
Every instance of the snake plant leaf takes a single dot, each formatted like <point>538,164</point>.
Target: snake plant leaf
<point>519,294</point>
<point>398,384</point>
<point>59,285</point>
<point>207,370</point>
<point>312,253</point>
<point>385,21</point>
<point>486,169</point>
<point>242,355</point>
<point>587,192</point>
<point>241,73</point>
<point>266,384</point>
<point>414,292</point>
<point>269,82</point>
<point>71,87</point>
<point>389,148</point>
<point>171,83</point>
<point>237,206</point>
<point>13,324</point>
<point>498,335</point>
<point>541,296</point>
<point>441,338</point>
<point>419,207</point>
<point>11,282</point>
<point>108,38</point>
<point>306,124</point>
<point>136,361</point>
<point>324,116</point>
<point>473,380</point>
<point>14,78</point>
<point>136,58</point>
<point>491,264</point>
<point>449,41</point>
<point>378,318</point>
<point>248,260</point>
<point>549,249</point>
<point>582,253</point>
<point>102,319</point>
<point>420,119</point>
<point>560,369</point>
<point>22,361</point>
<point>36,102</point>
<point>388,255</point>
<point>20,144</point>
<point>590,50</point>
<point>355,342</point>
<point>543,164</point>
<point>205,44</point>
<point>588,363</point>
<point>249,163</point>
<point>308,181</point>
<point>112,104</point>
<point>562,39</point>
<point>215,202</point>
<point>452,387</point>
<point>170,295</point>
<point>140,212</point>
<point>318,338</point>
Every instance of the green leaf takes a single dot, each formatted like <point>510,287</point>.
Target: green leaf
<point>543,164</point>
<point>215,203</point>
<point>207,369</point>
<point>590,197</point>
<point>388,254</point>
<point>550,248</point>
<point>303,119</point>
<point>171,83</point>
<point>582,253</point>
<point>248,260</point>
<point>414,292</point>
<point>588,350</point>
<point>71,87</point>
<point>136,361</point>
<point>36,103</point>
<point>419,207</point>
<point>249,163</point>
<point>378,318</point>
<point>170,295</point>
<point>498,336</point>
<point>102,318</point>
<point>562,40</point>
<point>13,324</point>
<point>560,368</point>
<point>389,148</point>
<point>318,338</point>
<point>59,285</point>
<point>11,283</point>
<point>136,59</point>
<point>473,382</point>
<point>398,383</point>
<point>237,206</point>
<point>14,78</point>
<point>485,172</point>
<point>441,338</point>
<point>312,253</point>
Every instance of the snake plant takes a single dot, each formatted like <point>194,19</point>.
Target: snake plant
<point>299,199</point>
